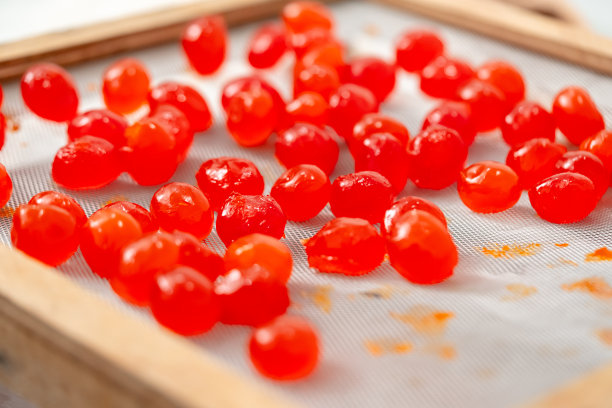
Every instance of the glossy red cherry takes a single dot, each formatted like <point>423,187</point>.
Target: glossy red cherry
<point>374,74</point>
<point>184,301</point>
<point>453,115</point>
<point>488,187</point>
<point>251,296</point>
<point>528,120</point>
<point>488,105</point>
<point>195,254</point>
<point>204,42</point>
<point>183,207</point>
<point>564,198</point>
<point>176,124</point>
<point>125,85</point>
<point>576,114</point>
<point>247,214</point>
<point>2,130</point>
<point>86,163</point>
<point>347,106</point>
<point>383,153</point>
<point>443,77</point>
<point>140,214</point>
<point>505,77</point>
<point>378,123</point>
<point>6,186</point>
<point>421,249</point>
<point>406,204</point>
<point>218,178</point>
<point>437,155</point>
<point>49,91</point>
<point>349,246</point>
<point>315,78</point>
<point>330,54</point>
<point>307,107</point>
<point>302,192</point>
<point>301,43</point>
<point>300,16</point>
<point>251,116</point>
<point>287,348</point>
<point>263,250</point>
<point>267,46</point>
<point>307,144</point>
<point>63,201</point>
<point>587,164</point>
<point>102,237</point>
<point>416,49</point>
<point>601,146</point>
<point>366,194</point>
<point>248,83</point>
<point>100,123</point>
<point>45,232</point>
<point>534,160</point>
<point>184,98</point>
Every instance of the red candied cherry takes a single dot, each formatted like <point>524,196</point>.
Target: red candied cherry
<point>102,237</point>
<point>588,165</point>
<point>45,232</point>
<point>1,96</point>
<point>86,163</point>
<point>267,46</point>
<point>220,177</point>
<point>315,78</point>
<point>374,74</point>
<point>251,117</point>
<point>421,249</point>
<point>416,49</point>
<point>330,54</point>
<point>528,120</point>
<point>2,130</point>
<point>140,214</point>
<point>287,348</point>
<point>6,186</point>
<point>100,123</point>
<point>488,105</point>
<point>383,153</point>
<point>406,204</point>
<point>49,91</point>
<point>378,123</point>
<point>302,192</point>
<point>307,144</point>
<point>564,198</point>
<point>184,301</point>
<point>251,296</point>
<point>307,107</point>
<point>601,146</point>
<point>443,77</point>
<point>177,125</point>
<point>488,187</point>
<point>139,262</point>
<point>183,207</point>
<point>366,194</point>
<point>534,160</point>
<point>437,155</point>
<point>63,201</point>
<point>350,246</point>
<point>263,250</point>
<point>150,154</point>
<point>197,255</point>
<point>453,115</point>
<point>505,77</point>
<point>347,106</point>
<point>301,43</point>
<point>300,16</point>
<point>184,98</point>
<point>247,214</point>
<point>204,42</point>
<point>125,85</point>
<point>576,114</point>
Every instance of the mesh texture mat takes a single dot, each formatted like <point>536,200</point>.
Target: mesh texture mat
<point>507,327</point>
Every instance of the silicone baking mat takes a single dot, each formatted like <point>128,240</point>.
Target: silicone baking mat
<point>529,306</point>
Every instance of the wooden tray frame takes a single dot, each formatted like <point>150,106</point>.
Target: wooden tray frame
<point>63,347</point>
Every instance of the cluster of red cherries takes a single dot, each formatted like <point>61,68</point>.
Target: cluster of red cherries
<point>156,258</point>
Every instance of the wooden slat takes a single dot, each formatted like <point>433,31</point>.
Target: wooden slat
<point>63,347</point>
<point>521,27</point>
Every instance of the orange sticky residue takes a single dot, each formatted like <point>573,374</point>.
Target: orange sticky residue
<point>386,258</point>
<point>384,346</point>
<point>11,124</point>
<point>445,351</point>
<point>511,250</point>
<point>597,287</point>
<point>7,212</point>
<point>374,348</point>
<point>114,200</point>
<point>425,320</point>
<point>561,262</point>
<point>92,86</point>
<point>372,29</point>
<point>599,255</point>
<point>304,241</point>
<point>383,292</point>
<point>605,335</point>
<point>562,245</point>
<point>319,295</point>
<point>519,291</point>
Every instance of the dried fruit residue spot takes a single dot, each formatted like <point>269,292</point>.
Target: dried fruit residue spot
<point>596,286</point>
<point>562,245</point>
<point>383,292</point>
<point>114,200</point>
<point>92,87</point>
<point>511,251</point>
<point>319,295</point>
<point>304,241</point>
<point>519,291</point>
<point>12,125</point>
<point>562,262</point>
<point>7,212</point>
<point>385,346</point>
<point>445,351</point>
<point>605,335</point>
<point>425,320</point>
<point>372,29</point>
<point>486,373</point>
<point>599,255</point>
